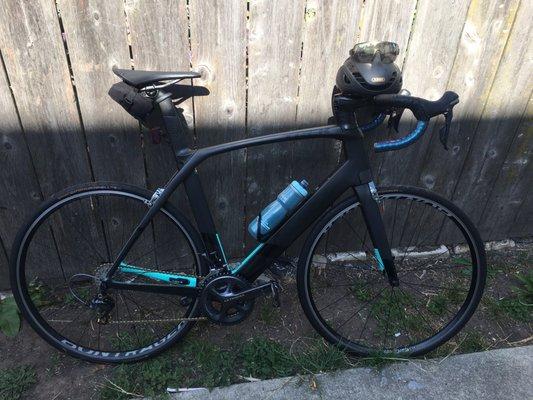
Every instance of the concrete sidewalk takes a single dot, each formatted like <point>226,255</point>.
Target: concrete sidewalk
<point>496,374</point>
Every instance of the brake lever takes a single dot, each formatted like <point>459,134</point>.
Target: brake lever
<point>445,129</point>
<point>394,118</point>
<point>396,114</point>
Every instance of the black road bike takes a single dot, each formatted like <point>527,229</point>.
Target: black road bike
<point>109,272</point>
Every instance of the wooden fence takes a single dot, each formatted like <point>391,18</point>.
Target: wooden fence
<point>269,65</point>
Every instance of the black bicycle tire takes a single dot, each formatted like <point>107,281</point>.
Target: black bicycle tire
<point>22,298</point>
<point>303,284</point>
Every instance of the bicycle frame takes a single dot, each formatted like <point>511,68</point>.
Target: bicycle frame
<point>354,173</point>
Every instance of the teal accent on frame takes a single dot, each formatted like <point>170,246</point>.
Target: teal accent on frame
<point>248,258</point>
<point>184,280</point>
<point>381,266</point>
<point>221,249</point>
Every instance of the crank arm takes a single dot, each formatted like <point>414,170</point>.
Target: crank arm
<point>251,293</point>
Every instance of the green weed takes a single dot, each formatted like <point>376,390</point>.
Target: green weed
<point>361,291</point>
<point>15,381</point>
<point>473,342</point>
<point>511,307</point>
<point>264,358</point>
<point>204,364</point>
<point>437,304</point>
<point>524,290</point>
<point>519,305</point>
<point>321,357</point>
<point>9,317</point>
<point>268,314</point>
<point>377,361</point>
<point>147,378</point>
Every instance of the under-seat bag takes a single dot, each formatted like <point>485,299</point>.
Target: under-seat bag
<point>133,101</point>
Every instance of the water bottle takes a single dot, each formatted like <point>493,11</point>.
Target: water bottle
<point>273,214</point>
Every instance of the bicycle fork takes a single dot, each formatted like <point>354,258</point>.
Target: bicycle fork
<point>368,198</point>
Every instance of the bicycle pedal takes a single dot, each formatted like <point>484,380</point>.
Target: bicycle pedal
<point>274,286</point>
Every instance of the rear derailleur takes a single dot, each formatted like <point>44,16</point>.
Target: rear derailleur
<point>103,305</point>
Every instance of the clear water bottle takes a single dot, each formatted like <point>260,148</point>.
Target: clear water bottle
<point>273,214</point>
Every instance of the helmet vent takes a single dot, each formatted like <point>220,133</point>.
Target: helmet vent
<point>360,80</point>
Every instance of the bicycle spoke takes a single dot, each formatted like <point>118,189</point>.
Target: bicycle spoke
<point>371,301</point>
<point>397,318</point>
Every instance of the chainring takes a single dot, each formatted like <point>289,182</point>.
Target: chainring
<point>216,303</point>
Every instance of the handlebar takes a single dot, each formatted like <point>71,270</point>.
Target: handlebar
<point>422,109</point>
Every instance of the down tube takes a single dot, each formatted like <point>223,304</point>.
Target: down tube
<point>344,178</point>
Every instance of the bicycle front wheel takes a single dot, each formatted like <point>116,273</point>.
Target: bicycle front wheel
<point>439,258</point>
<point>71,242</point>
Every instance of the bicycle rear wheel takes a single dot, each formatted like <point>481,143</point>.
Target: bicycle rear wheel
<point>71,241</point>
<point>440,261</point>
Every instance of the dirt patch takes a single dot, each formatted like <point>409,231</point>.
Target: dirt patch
<point>499,322</point>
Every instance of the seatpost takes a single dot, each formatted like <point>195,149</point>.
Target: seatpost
<point>171,121</point>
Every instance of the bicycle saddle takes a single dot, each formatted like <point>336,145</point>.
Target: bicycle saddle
<point>138,78</point>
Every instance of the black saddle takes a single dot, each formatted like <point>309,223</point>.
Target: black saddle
<point>140,79</point>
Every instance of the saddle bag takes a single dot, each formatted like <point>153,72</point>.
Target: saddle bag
<point>133,101</point>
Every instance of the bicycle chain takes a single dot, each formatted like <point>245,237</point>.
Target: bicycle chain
<point>159,320</point>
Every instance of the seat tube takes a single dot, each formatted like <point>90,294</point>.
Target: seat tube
<point>193,186</point>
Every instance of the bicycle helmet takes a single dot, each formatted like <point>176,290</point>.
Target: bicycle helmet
<point>370,70</point>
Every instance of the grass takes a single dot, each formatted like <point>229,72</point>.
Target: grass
<point>519,304</point>
<point>268,314</point>
<point>147,378</point>
<point>511,307</point>
<point>198,363</point>
<point>15,381</point>
<point>472,341</point>
<point>264,358</point>
<point>201,364</point>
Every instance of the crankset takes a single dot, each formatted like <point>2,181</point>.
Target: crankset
<point>228,299</point>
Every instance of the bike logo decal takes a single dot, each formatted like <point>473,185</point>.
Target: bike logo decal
<point>91,352</point>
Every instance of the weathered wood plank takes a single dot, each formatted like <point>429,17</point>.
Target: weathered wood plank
<point>274,51</point>
<point>387,21</point>
<point>96,38</point>
<point>500,119</point>
<point>219,52</point>
<point>482,42</point>
<point>160,49</point>
<point>18,184</point>
<point>329,30</point>
<point>36,64</point>
<point>521,226</point>
<point>511,187</point>
<point>380,21</point>
<point>165,50</point>
<point>428,62</point>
